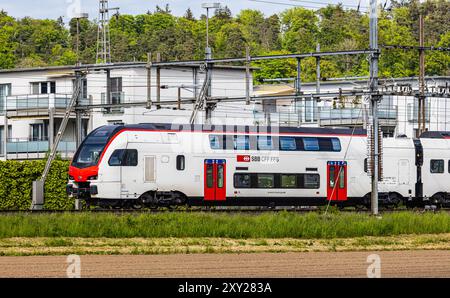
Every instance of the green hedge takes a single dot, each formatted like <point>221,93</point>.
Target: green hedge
<point>16,183</point>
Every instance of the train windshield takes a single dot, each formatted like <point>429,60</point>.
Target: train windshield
<point>92,148</point>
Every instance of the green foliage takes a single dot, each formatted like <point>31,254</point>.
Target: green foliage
<point>30,42</point>
<point>16,180</point>
<point>237,226</point>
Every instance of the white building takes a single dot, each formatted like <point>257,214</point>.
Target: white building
<point>33,101</point>
<point>398,114</point>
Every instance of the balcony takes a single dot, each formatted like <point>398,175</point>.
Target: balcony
<point>115,98</point>
<point>327,116</point>
<point>26,149</point>
<point>355,116</point>
<point>38,104</point>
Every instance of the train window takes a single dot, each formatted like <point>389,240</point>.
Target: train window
<point>366,166</point>
<point>242,181</point>
<point>336,144</point>
<point>266,180</point>
<point>116,158</point>
<point>181,163</point>
<point>130,158</point>
<point>288,181</point>
<point>220,176</point>
<point>209,176</point>
<point>311,144</point>
<point>449,166</point>
<point>241,143</point>
<point>214,141</point>
<point>437,166</point>
<point>288,144</point>
<point>332,176</point>
<point>311,181</point>
<point>341,178</point>
<point>265,143</point>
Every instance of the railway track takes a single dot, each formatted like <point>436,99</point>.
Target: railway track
<point>222,210</point>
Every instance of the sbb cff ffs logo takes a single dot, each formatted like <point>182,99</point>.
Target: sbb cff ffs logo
<point>243,158</point>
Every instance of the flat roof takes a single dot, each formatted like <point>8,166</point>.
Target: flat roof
<point>117,65</point>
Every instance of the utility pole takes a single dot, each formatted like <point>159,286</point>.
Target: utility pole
<point>149,80</point>
<point>374,100</point>
<point>78,17</point>
<point>421,108</point>
<point>38,186</point>
<point>247,76</point>
<point>103,34</point>
<point>158,81</point>
<point>209,65</point>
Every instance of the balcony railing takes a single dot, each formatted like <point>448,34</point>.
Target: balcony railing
<point>38,104</point>
<point>115,98</point>
<point>329,116</point>
<point>20,147</point>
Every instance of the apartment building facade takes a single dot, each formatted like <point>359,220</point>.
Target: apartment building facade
<point>33,101</point>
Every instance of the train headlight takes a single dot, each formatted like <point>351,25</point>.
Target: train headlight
<point>93,177</point>
<point>71,178</point>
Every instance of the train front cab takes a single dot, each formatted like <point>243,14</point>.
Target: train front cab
<point>84,166</point>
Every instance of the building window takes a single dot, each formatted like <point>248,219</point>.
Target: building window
<point>437,166</point>
<point>38,132</point>
<point>181,163</point>
<point>43,88</point>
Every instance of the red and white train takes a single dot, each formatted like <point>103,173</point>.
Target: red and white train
<point>153,165</point>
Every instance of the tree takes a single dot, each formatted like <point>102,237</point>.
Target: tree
<point>299,26</point>
<point>7,44</point>
<point>189,15</point>
<point>230,41</point>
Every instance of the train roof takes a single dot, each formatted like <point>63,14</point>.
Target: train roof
<point>236,128</point>
<point>435,135</point>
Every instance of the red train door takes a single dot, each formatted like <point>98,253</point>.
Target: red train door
<point>337,181</point>
<point>215,180</point>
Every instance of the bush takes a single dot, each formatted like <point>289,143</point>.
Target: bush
<point>16,184</point>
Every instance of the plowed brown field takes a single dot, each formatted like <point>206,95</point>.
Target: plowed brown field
<point>310,264</point>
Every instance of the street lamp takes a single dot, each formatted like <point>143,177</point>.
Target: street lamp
<point>78,17</point>
<point>209,6</point>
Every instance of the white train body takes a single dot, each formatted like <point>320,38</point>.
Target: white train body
<point>154,164</point>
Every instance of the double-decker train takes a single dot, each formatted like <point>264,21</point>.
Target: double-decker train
<point>155,165</point>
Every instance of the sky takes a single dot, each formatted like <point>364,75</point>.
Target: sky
<point>65,8</point>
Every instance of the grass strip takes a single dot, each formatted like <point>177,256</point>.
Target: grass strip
<point>212,225</point>
<point>147,246</point>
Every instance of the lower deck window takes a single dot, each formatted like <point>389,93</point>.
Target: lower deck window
<point>276,180</point>
<point>266,180</point>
